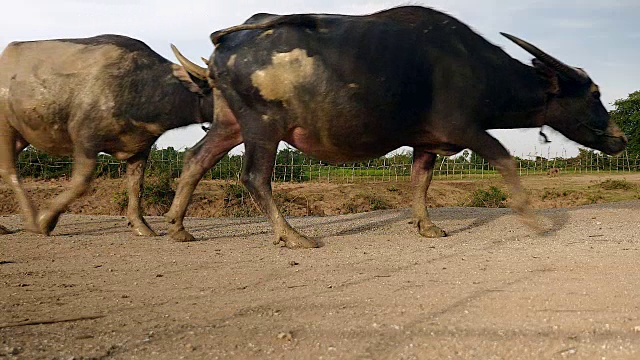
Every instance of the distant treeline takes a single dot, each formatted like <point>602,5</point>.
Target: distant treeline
<point>293,165</point>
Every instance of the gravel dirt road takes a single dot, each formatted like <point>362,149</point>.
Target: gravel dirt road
<point>375,290</point>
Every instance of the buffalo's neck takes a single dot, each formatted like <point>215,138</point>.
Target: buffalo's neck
<point>519,98</point>
<point>179,106</point>
<point>162,99</point>
<point>186,107</point>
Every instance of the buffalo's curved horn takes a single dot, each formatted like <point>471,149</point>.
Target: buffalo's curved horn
<point>205,61</point>
<point>549,60</point>
<point>193,69</point>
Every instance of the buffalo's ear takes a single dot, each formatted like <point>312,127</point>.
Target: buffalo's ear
<point>549,74</point>
<point>194,85</point>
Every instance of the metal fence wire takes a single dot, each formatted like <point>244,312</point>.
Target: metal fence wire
<point>293,166</point>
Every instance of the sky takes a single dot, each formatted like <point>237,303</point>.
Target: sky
<point>600,36</point>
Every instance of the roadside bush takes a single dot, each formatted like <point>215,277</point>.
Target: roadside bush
<point>492,197</point>
<point>364,202</point>
<point>237,201</point>
<point>611,184</point>
<point>378,203</point>
<point>157,195</point>
<point>551,194</point>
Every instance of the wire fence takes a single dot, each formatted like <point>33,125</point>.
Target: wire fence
<point>293,166</point>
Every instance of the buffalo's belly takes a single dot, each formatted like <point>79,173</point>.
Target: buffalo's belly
<point>335,126</point>
<point>121,138</point>
<point>336,146</point>
<point>338,124</point>
<point>52,138</point>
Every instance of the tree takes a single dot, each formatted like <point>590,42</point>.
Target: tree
<point>627,115</point>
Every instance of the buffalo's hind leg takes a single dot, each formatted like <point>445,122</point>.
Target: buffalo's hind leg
<point>198,160</point>
<point>84,164</point>
<point>261,139</point>
<point>421,175</point>
<point>223,136</point>
<point>135,182</point>
<point>11,144</point>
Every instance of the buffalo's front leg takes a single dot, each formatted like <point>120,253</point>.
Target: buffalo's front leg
<point>83,167</point>
<point>256,176</point>
<point>11,143</point>
<point>491,150</point>
<point>421,175</point>
<point>135,183</point>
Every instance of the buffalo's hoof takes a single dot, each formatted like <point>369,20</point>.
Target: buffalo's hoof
<point>32,227</point>
<point>533,222</point>
<point>170,217</point>
<point>142,230</point>
<point>47,222</point>
<point>181,236</point>
<point>430,230</point>
<point>296,241</point>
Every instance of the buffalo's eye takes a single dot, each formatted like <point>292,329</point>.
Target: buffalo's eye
<point>596,95</point>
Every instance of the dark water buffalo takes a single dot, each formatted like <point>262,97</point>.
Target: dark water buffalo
<point>344,88</point>
<point>80,97</point>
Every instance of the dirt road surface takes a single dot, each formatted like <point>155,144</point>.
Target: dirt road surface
<point>375,290</point>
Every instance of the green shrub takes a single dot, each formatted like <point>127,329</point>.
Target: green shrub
<point>237,201</point>
<point>121,199</point>
<point>595,198</point>
<point>492,197</point>
<point>157,194</point>
<point>611,184</point>
<point>233,193</point>
<point>376,203</point>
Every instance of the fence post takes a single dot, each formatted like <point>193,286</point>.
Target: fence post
<point>447,168</point>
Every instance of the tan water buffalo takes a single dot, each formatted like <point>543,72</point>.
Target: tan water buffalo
<point>80,97</point>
